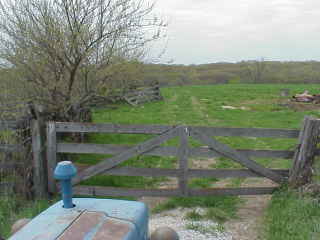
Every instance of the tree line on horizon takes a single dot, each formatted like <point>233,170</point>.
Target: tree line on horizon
<point>254,71</point>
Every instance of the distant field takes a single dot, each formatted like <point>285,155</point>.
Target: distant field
<point>202,105</point>
<point>257,105</point>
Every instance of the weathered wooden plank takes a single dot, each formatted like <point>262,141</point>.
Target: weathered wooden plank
<point>134,151</point>
<point>232,191</point>
<point>6,187</point>
<point>39,158</point>
<point>5,184</point>
<point>226,151</point>
<point>10,147</point>
<point>111,128</point>
<point>192,173</point>
<point>165,150</point>
<point>159,129</point>
<point>134,192</point>
<point>110,149</point>
<point>183,154</point>
<point>14,104</point>
<point>12,110</point>
<point>6,166</point>
<point>145,90</point>
<point>142,94</point>
<point>144,172</point>
<point>302,169</point>
<point>248,132</point>
<point>231,173</point>
<point>51,155</point>
<point>207,152</point>
<point>7,125</point>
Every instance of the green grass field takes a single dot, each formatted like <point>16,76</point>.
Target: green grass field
<point>202,106</point>
<point>261,106</point>
<point>258,106</point>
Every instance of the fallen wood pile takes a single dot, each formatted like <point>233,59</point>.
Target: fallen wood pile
<point>306,97</point>
<point>145,95</point>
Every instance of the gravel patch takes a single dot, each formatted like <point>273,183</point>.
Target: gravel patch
<point>201,230</point>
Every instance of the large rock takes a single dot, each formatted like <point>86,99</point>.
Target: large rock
<point>164,233</point>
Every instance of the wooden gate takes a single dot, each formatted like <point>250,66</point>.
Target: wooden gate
<point>184,151</point>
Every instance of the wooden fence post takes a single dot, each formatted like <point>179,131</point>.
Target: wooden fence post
<point>39,158</point>
<point>183,154</point>
<point>51,155</point>
<point>301,171</point>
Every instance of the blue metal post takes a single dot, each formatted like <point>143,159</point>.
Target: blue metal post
<point>64,172</point>
<point>66,193</point>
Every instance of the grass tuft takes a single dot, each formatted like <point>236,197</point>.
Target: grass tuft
<point>227,204</point>
<point>193,215</point>
<point>291,216</point>
<point>13,208</point>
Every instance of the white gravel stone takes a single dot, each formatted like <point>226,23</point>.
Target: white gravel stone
<point>175,220</point>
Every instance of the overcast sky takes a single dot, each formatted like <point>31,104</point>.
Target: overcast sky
<point>206,31</point>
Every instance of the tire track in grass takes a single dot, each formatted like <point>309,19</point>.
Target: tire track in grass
<point>251,213</point>
<point>202,111</point>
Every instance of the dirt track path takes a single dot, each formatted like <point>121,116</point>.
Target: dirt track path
<point>250,218</point>
<point>248,225</point>
<point>250,214</point>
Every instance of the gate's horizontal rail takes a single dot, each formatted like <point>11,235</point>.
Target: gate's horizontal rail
<point>164,151</point>
<point>232,191</point>
<point>134,192</point>
<point>192,173</point>
<point>159,129</point>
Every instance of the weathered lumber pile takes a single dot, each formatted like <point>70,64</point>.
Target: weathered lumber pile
<point>144,95</point>
<point>306,97</point>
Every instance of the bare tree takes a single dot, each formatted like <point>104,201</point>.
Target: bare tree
<point>61,50</point>
<point>255,70</point>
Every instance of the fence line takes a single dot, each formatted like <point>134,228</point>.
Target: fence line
<point>159,129</point>
<point>143,96</point>
<point>45,159</point>
<point>182,152</point>
<point>15,156</point>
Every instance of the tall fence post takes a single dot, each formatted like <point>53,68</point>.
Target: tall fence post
<point>51,155</point>
<point>39,158</point>
<point>183,154</point>
<point>301,171</point>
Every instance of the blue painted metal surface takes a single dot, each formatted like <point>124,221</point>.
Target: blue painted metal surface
<point>56,220</point>
<point>64,172</point>
<point>86,218</point>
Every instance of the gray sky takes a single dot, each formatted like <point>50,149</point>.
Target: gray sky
<point>206,31</point>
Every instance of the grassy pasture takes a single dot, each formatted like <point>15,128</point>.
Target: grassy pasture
<point>257,106</point>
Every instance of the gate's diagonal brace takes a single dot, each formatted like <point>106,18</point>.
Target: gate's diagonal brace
<point>108,163</point>
<point>226,151</point>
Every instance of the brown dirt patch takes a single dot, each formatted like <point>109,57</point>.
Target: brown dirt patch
<point>202,163</point>
<point>300,107</point>
<point>202,110</point>
<point>257,101</point>
<point>250,218</point>
<point>251,212</point>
